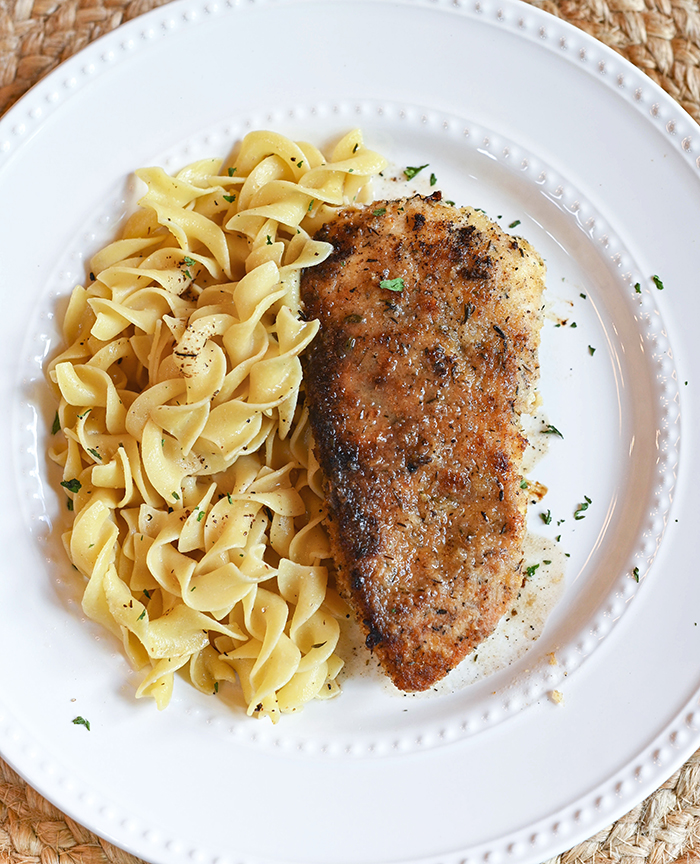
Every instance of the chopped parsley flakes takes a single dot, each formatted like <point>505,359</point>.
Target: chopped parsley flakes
<point>411,171</point>
<point>580,511</point>
<point>392,284</point>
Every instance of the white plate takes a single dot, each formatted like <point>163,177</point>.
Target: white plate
<point>520,114</point>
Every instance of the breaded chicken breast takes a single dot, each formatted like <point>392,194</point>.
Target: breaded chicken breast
<point>425,359</point>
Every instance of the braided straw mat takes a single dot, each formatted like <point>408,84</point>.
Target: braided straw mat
<point>661,37</point>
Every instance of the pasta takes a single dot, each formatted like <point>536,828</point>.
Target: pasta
<point>184,443</point>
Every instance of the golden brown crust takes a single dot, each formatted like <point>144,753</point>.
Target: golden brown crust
<point>414,397</point>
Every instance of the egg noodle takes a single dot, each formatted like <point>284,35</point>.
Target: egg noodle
<point>186,451</point>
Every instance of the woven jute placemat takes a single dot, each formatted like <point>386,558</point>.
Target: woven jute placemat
<point>661,37</point>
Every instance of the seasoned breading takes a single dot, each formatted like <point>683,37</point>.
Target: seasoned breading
<point>426,356</point>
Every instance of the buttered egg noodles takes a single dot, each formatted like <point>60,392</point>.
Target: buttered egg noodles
<point>186,451</point>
